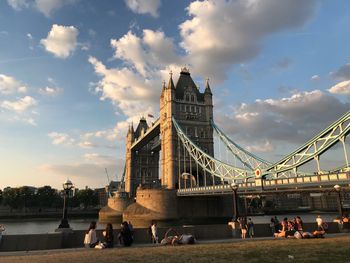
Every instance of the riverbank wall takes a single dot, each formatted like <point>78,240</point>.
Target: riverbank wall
<point>75,239</point>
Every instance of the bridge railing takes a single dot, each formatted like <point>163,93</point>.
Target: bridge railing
<point>322,180</point>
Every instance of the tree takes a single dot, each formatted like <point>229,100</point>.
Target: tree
<point>26,197</point>
<point>48,197</point>
<point>0,196</point>
<point>87,197</point>
<point>11,197</point>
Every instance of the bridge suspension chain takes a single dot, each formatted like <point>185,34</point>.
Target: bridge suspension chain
<point>249,160</point>
<point>214,167</point>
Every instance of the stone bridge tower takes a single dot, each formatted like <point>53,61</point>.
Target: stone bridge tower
<point>193,110</point>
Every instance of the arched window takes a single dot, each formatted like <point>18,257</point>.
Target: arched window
<point>192,98</point>
<point>187,97</point>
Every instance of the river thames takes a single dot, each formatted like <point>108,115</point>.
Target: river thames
<point>41,226</point>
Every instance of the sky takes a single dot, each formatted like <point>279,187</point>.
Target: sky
<point>75,73</point>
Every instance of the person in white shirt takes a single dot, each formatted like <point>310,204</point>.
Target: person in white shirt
<point>154,233</point>
<point>319,222</point>
<point>91,240</point>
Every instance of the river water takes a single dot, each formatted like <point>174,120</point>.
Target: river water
<point>37,226</point>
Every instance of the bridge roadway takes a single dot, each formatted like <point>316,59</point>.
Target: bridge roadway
<point>150,134</point>
<point>312,183</point>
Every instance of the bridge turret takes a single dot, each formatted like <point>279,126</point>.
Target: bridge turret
<point>128,160</point>
<point>171,82</point>
<point>168,134</point>
<point>208,101</point>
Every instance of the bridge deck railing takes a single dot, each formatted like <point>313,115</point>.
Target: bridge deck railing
<point>305,182</point>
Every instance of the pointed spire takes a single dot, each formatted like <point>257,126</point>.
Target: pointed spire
<point>207,87</point>
<point>171,83</point>
<point>163,87</point>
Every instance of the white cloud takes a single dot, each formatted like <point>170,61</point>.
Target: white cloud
<point>19,105</point>
<point>27,120</point>
<point>144,7</point>
<point>135,88</point>
<point>343,73</point>
<point>61,40</point>
<point>289,120</point>
<point>341,88</point>
<point>222,33</point>
<point>261,148</point>
<point>47,7</point>
<point>50,91</point>
<point>87,172</point>
<point>29,36</point>
<point>18,4</point>
<point>61,139</point>
<point>10,85</point>
<point>315,77</point>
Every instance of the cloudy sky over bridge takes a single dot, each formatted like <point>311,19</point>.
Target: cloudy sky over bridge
<point>75,73</point>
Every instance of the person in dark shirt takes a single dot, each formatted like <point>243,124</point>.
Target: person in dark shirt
<point>125,235</point>
<point>109,238</point>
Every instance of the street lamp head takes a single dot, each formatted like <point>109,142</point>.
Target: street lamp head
<point>337,187</point>
<point>234,186</point>
<point>68,185</point>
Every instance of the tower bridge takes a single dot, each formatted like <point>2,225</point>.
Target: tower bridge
<point>194,180</point>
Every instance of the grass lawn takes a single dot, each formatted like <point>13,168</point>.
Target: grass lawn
<point>331,250</point>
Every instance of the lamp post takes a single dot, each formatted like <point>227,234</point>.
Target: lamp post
<point>234,187</point>
<point>337,188</point>
<point>67,186</point>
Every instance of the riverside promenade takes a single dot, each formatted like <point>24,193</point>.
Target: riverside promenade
<point>75,238</point>
<point>333,248</point>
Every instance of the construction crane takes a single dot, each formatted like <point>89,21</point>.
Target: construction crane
<point>109,190</point>
<point>122,183</point>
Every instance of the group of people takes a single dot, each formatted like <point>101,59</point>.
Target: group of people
<point>125,236</point>
<point>246,227</point>
<point>295,228</point>
<point>171,236</point>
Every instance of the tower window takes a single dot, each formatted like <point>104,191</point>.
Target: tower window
<point>187,97</point>
<point>192,98</point>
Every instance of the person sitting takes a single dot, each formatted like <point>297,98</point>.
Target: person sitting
<point>125,236</point>
<point>177,239</point>
<point>90,240</point>
<point>108,235</point>
<point>318,233</point>
<point>282,232</point>
<point>290,229</point>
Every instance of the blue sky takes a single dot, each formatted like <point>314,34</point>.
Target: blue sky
<point>75,73</point>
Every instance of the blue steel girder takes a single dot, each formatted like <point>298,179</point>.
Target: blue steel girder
<point>208,163</point>
<point>312,149</point>
<point>248,159</point>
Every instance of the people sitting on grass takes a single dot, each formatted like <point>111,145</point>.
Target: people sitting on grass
<point>283,230</point>
<point>125,236</point>
<point>90,240</point>
<point>108,236</point>
<point>295,229</point>
<point>176,238</point>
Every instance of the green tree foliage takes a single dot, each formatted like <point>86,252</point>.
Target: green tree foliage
<point>45,197</point>
<point>11,197</point>
<point>87,197</point>
<point>48,197</point>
